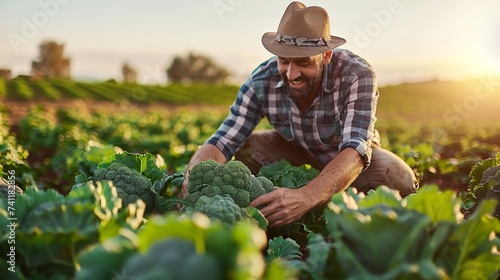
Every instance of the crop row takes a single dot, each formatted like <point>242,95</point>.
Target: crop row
<point>27,89</point>
<point>54,141</point>
<point>88,233</point>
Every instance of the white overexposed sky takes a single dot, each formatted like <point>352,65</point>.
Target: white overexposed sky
<point>405,40</point>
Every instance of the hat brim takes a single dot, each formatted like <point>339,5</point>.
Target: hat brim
<point>282,50</point>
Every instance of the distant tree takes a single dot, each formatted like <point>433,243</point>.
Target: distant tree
<point>51,61</point>
<point>129,74</point>
<point>196,68</point>
<point>6,74</point>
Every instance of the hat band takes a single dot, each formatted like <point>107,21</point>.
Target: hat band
<point>299,41</point>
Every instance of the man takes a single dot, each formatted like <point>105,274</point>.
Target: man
<point>321,102</point>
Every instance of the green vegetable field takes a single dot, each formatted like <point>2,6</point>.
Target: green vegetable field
<point>98,168</point>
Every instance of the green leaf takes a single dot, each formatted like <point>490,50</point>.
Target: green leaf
<point>317,264</point>
<point>477,171</point>
<point>81,179</point>
<point>282,249</point>
<point>172,185</point>
<point>280,270</point>
<point>146,164</point>
<point>381,196</point>
<point>53,229</point>
<point>33,197</point>
<point>284,174</point>
<point>239,247</point>
<point>108,208</point>
<point>105,260</point>
<point>345,201</point>
<point>172,225</point>
<point>436,204</point>
<point>361,236</point>
<point>257,216</point>
<point>107,200</point>
<point>423,238</point>
<point>476,239</point>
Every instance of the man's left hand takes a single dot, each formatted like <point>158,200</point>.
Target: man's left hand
<point>283,206</point>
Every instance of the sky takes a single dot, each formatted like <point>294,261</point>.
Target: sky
<point>404,40</point>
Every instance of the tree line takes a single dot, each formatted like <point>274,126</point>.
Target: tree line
<point>191,68</point>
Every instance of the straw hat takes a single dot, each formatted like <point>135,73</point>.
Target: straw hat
<point>303,31</point>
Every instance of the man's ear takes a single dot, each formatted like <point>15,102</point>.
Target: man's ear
<point>327,57</point>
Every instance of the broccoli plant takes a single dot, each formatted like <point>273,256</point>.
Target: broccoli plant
<point>52,230</point>
<point>284,174</point>
<point>491,179</point>
<point>136,176</point>
<point>233,178</point>
<point>484,184</point>
<point>130,184</point>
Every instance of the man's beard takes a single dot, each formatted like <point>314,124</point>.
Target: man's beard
<point>297,94</point>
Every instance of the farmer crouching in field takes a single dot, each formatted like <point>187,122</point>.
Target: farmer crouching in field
<point>321,102</point>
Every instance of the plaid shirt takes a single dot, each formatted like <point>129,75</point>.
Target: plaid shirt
<point>343,114</point>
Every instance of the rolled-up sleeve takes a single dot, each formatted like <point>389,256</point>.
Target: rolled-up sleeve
<point>243,117</point>
<point>359,117</point>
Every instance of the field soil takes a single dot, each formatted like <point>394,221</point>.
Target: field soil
<point>18,109</point>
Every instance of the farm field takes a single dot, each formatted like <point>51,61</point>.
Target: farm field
<point>55,135</point>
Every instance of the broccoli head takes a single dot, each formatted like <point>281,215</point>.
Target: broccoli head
<point>130,184</point>
<point>209,178</point>
<point>221,208</point>
<point>491,178</point>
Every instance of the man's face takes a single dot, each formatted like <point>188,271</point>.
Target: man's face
<point>302,75</point>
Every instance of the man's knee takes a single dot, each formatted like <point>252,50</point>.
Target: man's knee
<point>390,170</point>
<point>261,148</point>
<point>265,147</point>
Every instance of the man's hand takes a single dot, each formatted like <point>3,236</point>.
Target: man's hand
<point>283,206</point>
<point>183,191</point>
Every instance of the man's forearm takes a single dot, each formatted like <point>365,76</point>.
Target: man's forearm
<point>335,177</point>
<point>206,152</point>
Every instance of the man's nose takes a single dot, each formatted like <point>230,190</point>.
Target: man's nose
<point>292,72</point>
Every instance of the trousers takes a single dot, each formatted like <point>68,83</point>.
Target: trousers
<point>386,168</point>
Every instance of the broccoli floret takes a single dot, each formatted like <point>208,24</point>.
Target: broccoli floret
<point>130,184</point>
<point>221,208</point>
<point>261,186</point>
<point>233,178</point>
<point>491,176</point>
